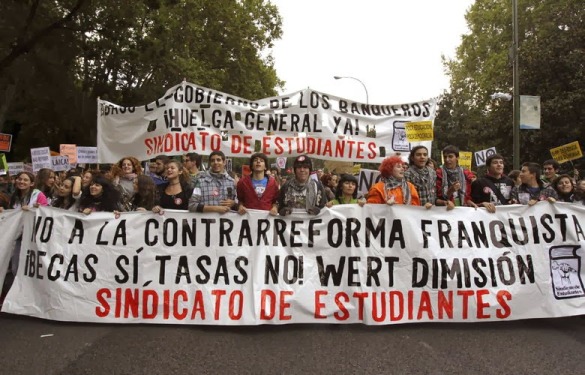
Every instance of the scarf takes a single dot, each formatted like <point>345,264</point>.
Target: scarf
<point>310,188</point>
<point>392,183</point>
<point>451,176</point>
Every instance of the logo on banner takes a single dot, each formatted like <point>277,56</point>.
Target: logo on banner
<point>399,140</point>
<point>565,269</point>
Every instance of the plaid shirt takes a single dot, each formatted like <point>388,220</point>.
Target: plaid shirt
<point>425,185</point>
<point>210,189</point>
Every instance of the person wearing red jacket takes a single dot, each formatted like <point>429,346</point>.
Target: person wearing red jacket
<point>453,182</point>
<point>257,191</point>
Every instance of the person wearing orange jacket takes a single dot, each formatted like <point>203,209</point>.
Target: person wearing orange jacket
<point>393,187</point>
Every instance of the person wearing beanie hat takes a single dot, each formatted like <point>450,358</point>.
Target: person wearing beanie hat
<point>301,191</point>
<point>258,191</point>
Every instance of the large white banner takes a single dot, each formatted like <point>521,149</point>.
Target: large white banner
<point>374,265</point>
<point>190,118</point>
<point>10,229</point>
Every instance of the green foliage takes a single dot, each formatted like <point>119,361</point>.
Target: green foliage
<point>551,60</point>
<point>125,52</point>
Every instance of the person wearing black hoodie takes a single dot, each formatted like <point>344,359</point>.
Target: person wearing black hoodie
<point>494,188</point>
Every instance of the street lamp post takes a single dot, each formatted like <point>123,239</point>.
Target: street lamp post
<point>365,89</point>
<point>516,88</point>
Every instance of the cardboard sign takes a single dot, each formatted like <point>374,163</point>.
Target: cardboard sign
<point>481,156</point>
<point>419,131</point>
<point>570,151</point>
<point>41,158</point>
<point>465,158</point>
<point>15,168</point>
<point>87,155</point>
<point>69,151</point>
<point>5,142</point>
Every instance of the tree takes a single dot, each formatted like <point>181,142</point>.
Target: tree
<point>130,53</point>
<point>551,53</point>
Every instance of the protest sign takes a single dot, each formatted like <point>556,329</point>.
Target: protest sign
<point>15,168</point>
<point>419,131</point>
<point>3,164</point>
<point>568,152</point>
<point>373,265</point>
<point>481,156</point>
<point>60,163</point>
<point>5,142</point>
<point>70,151</point>
<point>41,158</point>
<point>87,155</point>
<point>189,118</point>
<point>529,112</point>
<point>11,228</point>
<point>465,159</point>
<point>366,179</point>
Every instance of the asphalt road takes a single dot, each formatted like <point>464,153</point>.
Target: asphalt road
<point>542,346</point>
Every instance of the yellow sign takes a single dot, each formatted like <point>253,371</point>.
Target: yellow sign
<point>570,151</point>
<point>356,169</point>
<point>419,131</point>
<point>465,159</point>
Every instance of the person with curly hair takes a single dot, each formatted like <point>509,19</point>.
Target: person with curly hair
<point>124,172</point>
<point>393,187</point>
<point>100,196</point>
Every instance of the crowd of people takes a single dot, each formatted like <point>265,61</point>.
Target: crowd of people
<point>181,184</point>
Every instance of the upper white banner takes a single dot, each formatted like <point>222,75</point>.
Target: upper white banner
<point>190,118</point>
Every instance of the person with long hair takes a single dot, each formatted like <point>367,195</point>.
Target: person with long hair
<point>86,178</point>
<point>68,194</point>
<point>101,195</point>
<point>174,193</point>
<point>393,187</point>
<point>422,176</point>
<point>25,195</point>
<point>564,189</point>
<point>124,172</point>
<point>45,182</point>
<point>145,194</point>
<point>346,192</point>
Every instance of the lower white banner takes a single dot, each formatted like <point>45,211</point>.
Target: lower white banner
<point>374,265</point>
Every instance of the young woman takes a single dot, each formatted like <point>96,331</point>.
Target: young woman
<point>86,178</point>
<point>564,189</point>
<point>124,172</point>
<point>346,192</point>
<point>101,195</point>
<point>45,182</point>
<point>68,194</point>
<point>393,188</point>
<point>25,195</point>
<point>174,194</point>
<point>145,194</point>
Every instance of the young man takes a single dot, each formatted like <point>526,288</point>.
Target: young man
<point>495,187</point>
<point>301,191</point>
<point>423,177</point>
<point>159,172</point>
<point>453,182</point>
<point>192,161</point>
<point>551,171</point>
<point>531,190</point>
<point>214,190</point>
<point>258,191</point>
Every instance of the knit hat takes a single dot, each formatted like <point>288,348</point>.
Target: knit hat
<point>303,160</point>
